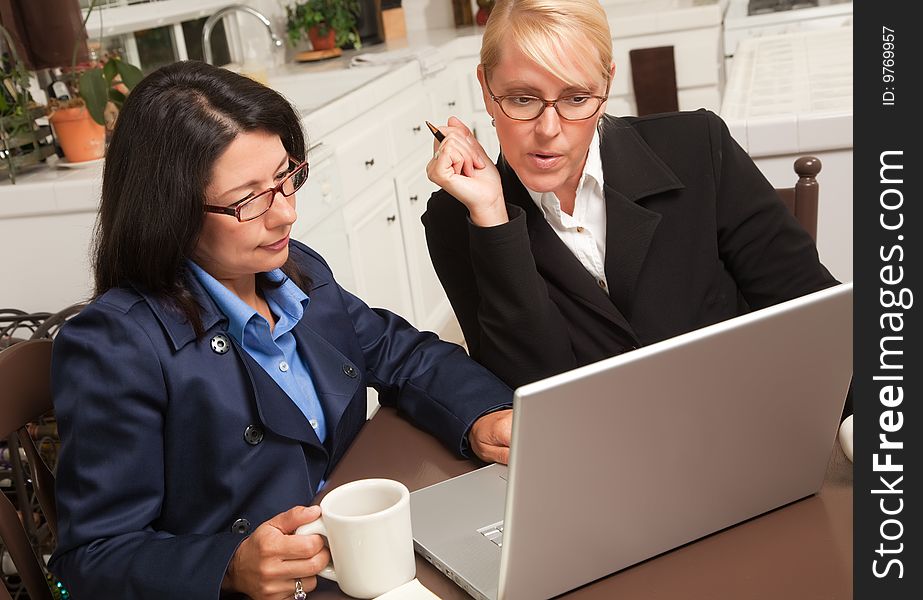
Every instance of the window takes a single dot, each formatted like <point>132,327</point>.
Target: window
<point>153,33</point>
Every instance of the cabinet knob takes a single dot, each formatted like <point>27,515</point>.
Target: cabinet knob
<point>392,218</point>
<point>414,198</point>
<point>370,163</point>
<point>417,129</point>
<point>451,103</point>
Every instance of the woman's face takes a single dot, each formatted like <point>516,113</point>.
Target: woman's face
<point>228,249</point>
<point>547,153</point>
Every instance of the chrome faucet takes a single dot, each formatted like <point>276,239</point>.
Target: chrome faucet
<point>220,14</point>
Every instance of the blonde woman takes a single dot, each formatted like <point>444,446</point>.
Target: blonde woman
<point>594,235</point>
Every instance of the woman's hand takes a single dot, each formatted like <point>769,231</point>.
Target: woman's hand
<point>266,564</point>
<point>461,167</point>
<point>490,436</point>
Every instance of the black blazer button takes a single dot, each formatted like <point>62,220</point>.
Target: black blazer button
<point>350,371</point>
<point>253,435</point>
<point>240,526</point>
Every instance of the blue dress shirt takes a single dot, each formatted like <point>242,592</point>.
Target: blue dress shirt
<point>274,349</point>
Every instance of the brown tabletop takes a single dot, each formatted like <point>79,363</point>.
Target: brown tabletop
<point>800,551</point>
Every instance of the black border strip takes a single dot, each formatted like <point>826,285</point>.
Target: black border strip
<point>888,367</point>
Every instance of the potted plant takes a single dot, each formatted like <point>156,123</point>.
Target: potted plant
<point>327,23</point>
<point>80,122</point>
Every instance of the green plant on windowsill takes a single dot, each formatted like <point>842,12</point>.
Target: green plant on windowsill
<point>322,16</point>
<point>107,81</point>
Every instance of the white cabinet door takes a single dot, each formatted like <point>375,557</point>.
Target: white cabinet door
<point>328,238</point>
<point>376,248</point>
<point>432,309</point>
<point>449,95</point>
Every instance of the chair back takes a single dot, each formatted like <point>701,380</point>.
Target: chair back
<point>802,199</point>
<point>25,395</point>
<point>653,80</point>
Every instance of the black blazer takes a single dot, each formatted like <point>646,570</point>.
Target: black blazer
<point>694,235</point>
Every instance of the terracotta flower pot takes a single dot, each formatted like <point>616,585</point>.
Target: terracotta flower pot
<point>319,42</point>
<point>81,137</point>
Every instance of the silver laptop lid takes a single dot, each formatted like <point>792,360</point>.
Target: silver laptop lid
<point>635,455</point>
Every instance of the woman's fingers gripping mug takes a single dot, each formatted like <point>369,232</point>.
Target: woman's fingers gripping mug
<point>367,526</point>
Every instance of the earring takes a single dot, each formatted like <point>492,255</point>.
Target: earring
<point>493,122</point>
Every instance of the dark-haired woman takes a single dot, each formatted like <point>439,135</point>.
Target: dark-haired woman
<point>221,371</point>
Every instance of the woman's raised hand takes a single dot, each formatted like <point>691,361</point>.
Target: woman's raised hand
<point>461,167</point>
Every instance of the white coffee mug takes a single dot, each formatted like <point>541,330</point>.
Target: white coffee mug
<point>367,526</point>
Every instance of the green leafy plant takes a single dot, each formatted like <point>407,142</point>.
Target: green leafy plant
<point>14,98</point>
<point>110,80</point>
<point>339,15</point>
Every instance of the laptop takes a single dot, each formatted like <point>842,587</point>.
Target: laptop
<point>624,459</point>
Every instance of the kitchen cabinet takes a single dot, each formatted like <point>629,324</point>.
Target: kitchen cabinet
<point>362,206</point>
<point>449,94</point>
<point>376,249</point>
<point>431,306</point>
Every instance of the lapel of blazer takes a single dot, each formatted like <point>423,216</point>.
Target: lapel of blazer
<point>554,259</point>
<point>631,172</point>
<point>328,367</point>
<point>276,409</point>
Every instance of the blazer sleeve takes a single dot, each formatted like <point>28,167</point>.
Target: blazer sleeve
<point>502,303</point>
<point>433,382</point>
<point>771,257</point>
<point>110,400</point>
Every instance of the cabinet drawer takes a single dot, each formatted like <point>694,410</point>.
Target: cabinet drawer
<point>363,159</point>
<point>447,97</point>
<point>408,130</point>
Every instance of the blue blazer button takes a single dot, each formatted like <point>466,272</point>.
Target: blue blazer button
<point>350,371</point>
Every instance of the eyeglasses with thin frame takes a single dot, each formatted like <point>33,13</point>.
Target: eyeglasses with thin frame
<point>253,207</point>
<point>573,107</point>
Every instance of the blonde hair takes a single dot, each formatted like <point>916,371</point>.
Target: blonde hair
<point>547,29</point>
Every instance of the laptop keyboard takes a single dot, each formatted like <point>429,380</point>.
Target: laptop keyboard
<point>494,533</point>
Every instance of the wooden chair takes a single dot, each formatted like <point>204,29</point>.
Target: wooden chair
<point>802,199</point>
<point>653,80</point>
<point>25,395</point>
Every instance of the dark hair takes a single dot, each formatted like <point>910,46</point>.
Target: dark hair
<point>172,128</point>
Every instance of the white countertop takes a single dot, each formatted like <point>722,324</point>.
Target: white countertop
<point>639,17</point>
<point>51,189</point>
<point>791,93</point>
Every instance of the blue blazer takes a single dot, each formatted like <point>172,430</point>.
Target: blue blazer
<point>174,448</point>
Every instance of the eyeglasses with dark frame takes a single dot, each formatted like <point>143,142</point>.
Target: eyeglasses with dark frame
<point>573,107</point>
<point>254,207</point>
